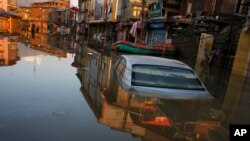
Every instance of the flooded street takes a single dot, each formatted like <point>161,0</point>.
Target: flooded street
<point>53,88</point>
<point>124,70</point>
<point>41,100</point>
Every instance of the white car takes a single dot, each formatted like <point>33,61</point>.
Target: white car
<point>157,77</point>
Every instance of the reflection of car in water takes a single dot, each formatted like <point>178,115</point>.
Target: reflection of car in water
<point>145,114</point>
<point>164,95</point>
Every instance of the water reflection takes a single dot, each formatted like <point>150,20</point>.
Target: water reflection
<point>147,118</point>
<point>53,44</point>
<point>8,51</point>
<point>37,96</point>
<point>150,118</point>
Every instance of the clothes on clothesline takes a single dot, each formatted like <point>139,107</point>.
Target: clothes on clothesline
<point>133,30</point>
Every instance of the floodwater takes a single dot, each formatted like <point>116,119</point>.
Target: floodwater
<point>54,89</point>
<point>40,100</point>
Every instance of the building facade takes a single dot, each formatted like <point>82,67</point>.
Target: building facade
<point>37,16</point>
<point>9,6</point>
<point>9,17</point>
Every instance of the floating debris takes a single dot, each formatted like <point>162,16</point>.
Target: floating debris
<point>60,113</point>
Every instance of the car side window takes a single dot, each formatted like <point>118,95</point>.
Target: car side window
<point>120,68</point>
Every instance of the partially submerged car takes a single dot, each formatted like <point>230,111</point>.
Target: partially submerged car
<point>164,95</point>
<point>157,77</point>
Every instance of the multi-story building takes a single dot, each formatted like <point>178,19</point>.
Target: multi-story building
<point>9,6</point>
<point>9,18</point>
<point>110,10</point>
<point>83,13</point>
<point>53,3</point>
<point>64,18</point>
<point>173,7</point>
<point>103,17</point>
<point>25,13</point>
<point>114,18</point>
<point>223,8</point>
<point>38,14</point>
<point>60,16</point>
<point>99,18</point>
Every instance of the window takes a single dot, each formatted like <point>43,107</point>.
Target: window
<point>244,10</point>
<point>137,11</point>
<point>241,9</point>
<point>164,77</point>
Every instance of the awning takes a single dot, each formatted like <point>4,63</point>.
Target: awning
<point>75,9</point>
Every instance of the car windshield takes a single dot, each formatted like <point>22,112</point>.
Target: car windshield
<point>164,77</point>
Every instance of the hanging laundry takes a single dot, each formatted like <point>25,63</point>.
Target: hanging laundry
<point>133,30</point>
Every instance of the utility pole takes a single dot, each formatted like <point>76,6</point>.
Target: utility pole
<point>142,19</point>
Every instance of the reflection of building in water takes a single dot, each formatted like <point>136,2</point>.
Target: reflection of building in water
<point>236,102</point>
<point>63,19</point>
<point>93,72</point>
<point>59,20</point>
<point>40,39</point>
<point>93,69</point>
<point>228,79</point>
<point>149,118</point>
<point>40,42</point>
<point>114,117</point>
<point>8,51</point>
<point>64,42</point>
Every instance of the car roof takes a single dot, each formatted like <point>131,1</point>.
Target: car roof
<point>150,60</point>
